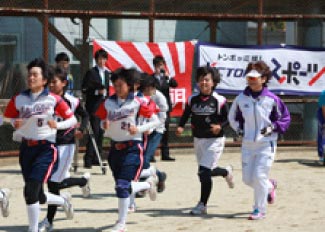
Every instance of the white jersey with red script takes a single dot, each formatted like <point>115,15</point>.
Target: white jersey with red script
<point>121,114</point>
<point>35,114</point>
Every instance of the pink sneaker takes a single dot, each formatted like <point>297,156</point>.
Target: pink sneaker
<point>256,215</point>
<point>271,196</point>
<point>119,227</point>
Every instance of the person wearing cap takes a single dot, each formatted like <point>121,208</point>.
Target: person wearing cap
<point>258,116</point>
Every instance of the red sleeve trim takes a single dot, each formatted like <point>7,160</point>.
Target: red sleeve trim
<point>62,108</point>
<point>11,110</point>
<point>147,110</point>
<point>101,111</point>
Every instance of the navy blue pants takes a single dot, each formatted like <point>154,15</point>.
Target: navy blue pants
<point>38,162</point>
<point>126,163</point>
<point>125,160</point>
<point>320,133</point>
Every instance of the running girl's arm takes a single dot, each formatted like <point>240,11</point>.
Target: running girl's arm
<point>151,124</point>
<point>63,110</point>
<point>148,111</point>
<point>102,114</point>
<point>12,113</point>
<point>280,116</point>
<point>68,123</point>
<point>186,114</point>
<point>235,117</point>
<point>11,110</point>
<point>224,115</point>
<point>161,102</point>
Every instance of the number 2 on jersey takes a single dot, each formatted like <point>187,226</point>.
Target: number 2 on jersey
<point>125,125</point>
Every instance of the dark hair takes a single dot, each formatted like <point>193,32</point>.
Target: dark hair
<point>62,56</point>
<point>125,75</point>
<point>147,81</point>
<point>262,68</point>
<point>158,59</point>
<point>134,74</point>
<point>101,53</point>
<point>205,70</point>
<point>39,62</point>
<point>59,73</point>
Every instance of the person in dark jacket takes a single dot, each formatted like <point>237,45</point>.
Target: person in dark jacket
<point>95,85</point>
<point>163,83</point>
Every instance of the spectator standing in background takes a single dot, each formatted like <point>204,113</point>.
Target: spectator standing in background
<point>95,85</point>
<point>163,83</point>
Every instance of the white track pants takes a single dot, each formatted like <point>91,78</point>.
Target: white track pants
<point>66,153</point>
<point>257,159</point>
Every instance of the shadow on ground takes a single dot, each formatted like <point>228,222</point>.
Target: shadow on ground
<point>306,162</point>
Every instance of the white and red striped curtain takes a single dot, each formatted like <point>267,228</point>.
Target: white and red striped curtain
<point>139,55</point>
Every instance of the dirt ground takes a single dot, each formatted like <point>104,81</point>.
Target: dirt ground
<point>299,205</point>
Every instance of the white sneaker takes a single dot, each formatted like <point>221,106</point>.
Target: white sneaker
<point>30,230</point>
<point>119,227</point>
<point>230,177</point>
<point>132,208</point>
<point>4,204</point>
<point>153,170</point>
<point>67,206</point>
<point>199,209</point>
<point>153,181</point>
<point>45,226</point>
<point>86,188</point>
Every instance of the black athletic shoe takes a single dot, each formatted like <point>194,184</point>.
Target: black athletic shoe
<point>161,182</point>
<point>140,194</point>
<point>168,158</point>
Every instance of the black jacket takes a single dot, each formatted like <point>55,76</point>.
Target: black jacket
<point>164,85</point>
<point>66,136</point>
<point>205,110</point>
<point>92,82</point>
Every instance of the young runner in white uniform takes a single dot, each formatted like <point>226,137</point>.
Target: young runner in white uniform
<point>32,112</point>
<point>120,115</point>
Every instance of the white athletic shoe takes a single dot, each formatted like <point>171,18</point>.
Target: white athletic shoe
<point>30,230</point>
<point>67,206</point>
<point>199,209</point>
<point>153,170</point>
<point>4,204</point>
<point>45,226</point>
<point>86,188</point>
<point>230,177</point>
<point>153,181</point>
<point>119,227</point>
<point>132,208</point>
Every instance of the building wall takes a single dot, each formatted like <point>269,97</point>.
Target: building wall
<point>28,31</point>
